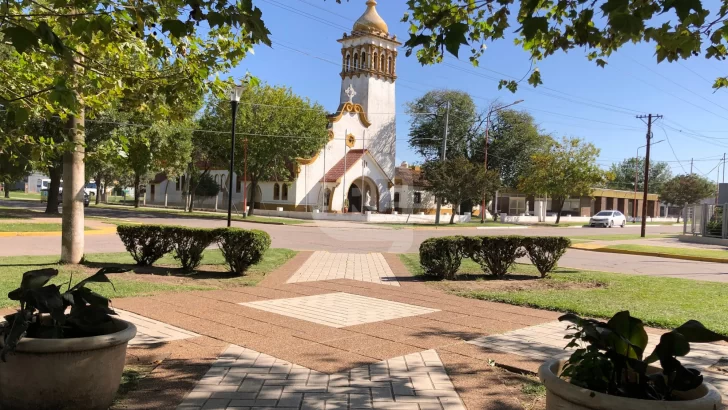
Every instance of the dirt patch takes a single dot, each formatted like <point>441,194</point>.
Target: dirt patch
<point>512,283</point>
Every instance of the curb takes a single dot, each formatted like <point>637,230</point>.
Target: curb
<point>655,254</point>
<point>57,233</point>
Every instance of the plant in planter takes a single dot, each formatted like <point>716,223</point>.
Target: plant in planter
<point>346,205</point>
<point>610,360</point>
<point>59,358</point>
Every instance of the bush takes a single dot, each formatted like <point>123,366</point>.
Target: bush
<point>189,244</point>
<point>545,251</point>
<point>145,243</point>
<point>242,248</point>
<point>441,257</point>
<point>495,254</point>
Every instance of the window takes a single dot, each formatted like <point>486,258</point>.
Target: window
<point>382,64</point>
<point>396,197</point>
<point>374,61</point>
<point>364,60</point>
<point>347,65</point>
<point>176,184</point>
<point>284,192</point>
<point>418,197</point>
<point>276,192</point>
<point>356,61</point>
<point>604,213</point>
<point>238,183</point>
<point>390,70</point>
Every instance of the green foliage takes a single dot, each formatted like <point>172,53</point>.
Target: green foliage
<point>189,244</point>
<point>562,170</point>
<point>457,180</point>
<point>624,173</point>
<point>495,254</point>
<point>441,257</point>
<point>206,186</point>
<point>145,243</point>
<point>242,248</point>
<point>42,312</point>
<point>686,189</point>
<point>427,124</point>
<point>514,138</point>
<point>682,30</point>
<point>609,357</point>
<point>545,251</point>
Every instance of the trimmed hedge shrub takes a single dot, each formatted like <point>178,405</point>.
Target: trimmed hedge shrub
<point>242,247</point>
<point>145,243</point>
<point>190,243</point>
<point>545,251</point>
<point>495,254</point>
<point>441,257</point>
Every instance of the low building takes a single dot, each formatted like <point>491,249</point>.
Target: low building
<point>411,194</point>
<point>514,203</point>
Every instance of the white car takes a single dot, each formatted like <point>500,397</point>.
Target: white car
<point>608,219</point>
<point>90,188</point>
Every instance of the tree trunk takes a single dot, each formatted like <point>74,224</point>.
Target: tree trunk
<point>98,188</point>
<point>6,186</point>
<point>72,240</point>
<point>560,205</point>
<point>136,190</point>
<point>452,214</point>
<point>55,173</point>
<point>251,196</point>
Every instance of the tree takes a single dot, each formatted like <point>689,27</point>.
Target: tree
<point>279,127</point>
<point>427,124</point>
<point>75,57</point>
<point>457,180</point>
<point>15,164</point>
<point>624,174</point>
<point>514,138</point>
<point>564,169</point>
<point>46,139</point>
<point>684,190</point>
<point>684,29</point>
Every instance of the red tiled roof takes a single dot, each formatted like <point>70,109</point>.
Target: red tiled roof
<point>159,178</point>
<point>411,176</point>
<point>338,170</point>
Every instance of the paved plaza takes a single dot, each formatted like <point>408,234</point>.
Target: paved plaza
<point>367,267</point>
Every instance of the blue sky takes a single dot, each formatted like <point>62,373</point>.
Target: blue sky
<point>577,99</point>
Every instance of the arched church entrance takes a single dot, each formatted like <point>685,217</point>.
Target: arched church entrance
<point>354,197</point>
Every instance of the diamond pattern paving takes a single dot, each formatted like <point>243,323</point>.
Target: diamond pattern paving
<point>245,379</point>
<point>150,331</point>
<point>368,267</point>
<point>339,309</point>
<point>546,341</point>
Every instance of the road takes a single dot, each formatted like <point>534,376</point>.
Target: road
<point>356,237</point>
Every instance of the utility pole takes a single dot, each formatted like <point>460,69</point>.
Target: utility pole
<point>444,157</point>
<point>724,167</point>
<point>691,166</point>
<point>647,170</point>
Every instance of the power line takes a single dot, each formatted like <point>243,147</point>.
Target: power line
<point>672,149</point>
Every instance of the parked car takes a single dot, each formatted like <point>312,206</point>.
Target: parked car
<point>608,219</point>
<point>86,200</point>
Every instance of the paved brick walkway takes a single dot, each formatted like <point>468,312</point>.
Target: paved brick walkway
<point>366,267</point>
<point>244,379</point>
<point>546,341</point>
<point>339,309</point>
<point>150,331</point>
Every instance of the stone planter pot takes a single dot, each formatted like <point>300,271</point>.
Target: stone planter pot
<point>60,374</point>
<point>562,395</point>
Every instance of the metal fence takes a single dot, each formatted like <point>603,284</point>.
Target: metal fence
<point>706,220</point>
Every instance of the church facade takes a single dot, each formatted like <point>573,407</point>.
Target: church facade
<point>355,170</point>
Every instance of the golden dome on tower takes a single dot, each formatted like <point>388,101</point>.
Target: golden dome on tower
<point>370,20</point>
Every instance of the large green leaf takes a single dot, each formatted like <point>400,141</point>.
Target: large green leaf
<point>632,338</point>
<point>33,279</point>
<point>21,38</point>
<point>100,277</point>
<point>695,332</point>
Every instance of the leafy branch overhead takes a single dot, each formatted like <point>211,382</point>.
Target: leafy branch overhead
<point>679,29</point>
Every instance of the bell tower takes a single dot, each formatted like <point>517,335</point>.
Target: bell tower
<point>369,66</point>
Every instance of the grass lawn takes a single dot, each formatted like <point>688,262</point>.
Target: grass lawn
<point>659,302</point>
<point>707,253</point>
<point>617,237</point>
<point>17,195</point>
<point>165,276</point>
<point>209,215</point>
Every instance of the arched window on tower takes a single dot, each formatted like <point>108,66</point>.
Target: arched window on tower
<point>356,61</point>
<point>382,64</point>
<point>364,60</point>
<point>347,65</point>
<point>390,69</point>
<point>374,61</point>
<point>284,192</point>
<point>276,192</point>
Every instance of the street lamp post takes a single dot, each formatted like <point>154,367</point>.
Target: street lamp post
<point>235,93</point>
<point>636,171</point>
<point>485,144</point>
